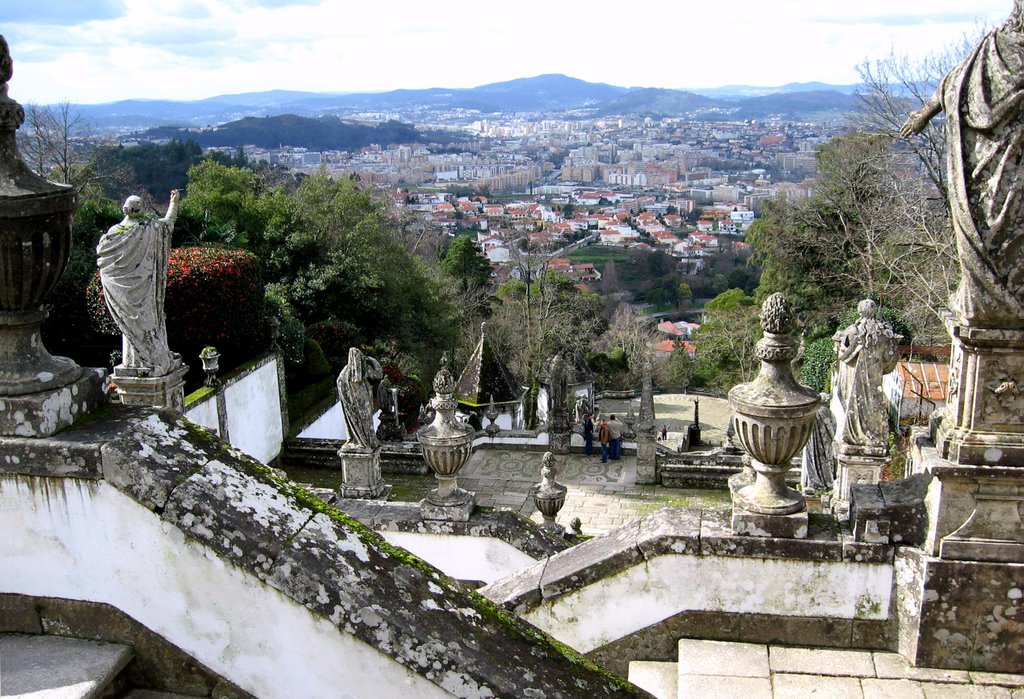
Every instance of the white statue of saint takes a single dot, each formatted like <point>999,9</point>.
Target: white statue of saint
<point>132,259</point>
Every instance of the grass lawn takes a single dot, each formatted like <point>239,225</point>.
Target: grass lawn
<point>599,255</point>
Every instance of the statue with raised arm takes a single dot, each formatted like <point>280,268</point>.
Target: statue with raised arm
<point>132,259</point>
<point>356,391</point>
<point>866,351</point>
<point>983,99</point>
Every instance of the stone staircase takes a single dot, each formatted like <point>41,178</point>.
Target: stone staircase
<point>708,669</point>
<point>57,667</point>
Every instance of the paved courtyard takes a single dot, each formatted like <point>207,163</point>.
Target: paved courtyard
<point>603,496</point>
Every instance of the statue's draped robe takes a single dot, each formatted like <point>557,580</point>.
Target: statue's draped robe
<point>983,99</point>
<point>356,395</point>
<point>132,259</point>
<point>819,461</point>
<point>866,352</point>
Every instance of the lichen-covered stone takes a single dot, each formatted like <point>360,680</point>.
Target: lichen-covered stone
<point>717,539</point>
<point>519,592</point>
<point>900,505</point>
<point>972,616</point>
<point>592,560</point>
<point>670,530</point>
<point>414,614</point>
<point>245,519</point>
<point>154,453</point>
<point>510,527</point>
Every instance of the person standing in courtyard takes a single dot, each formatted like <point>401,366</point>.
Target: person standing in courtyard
<point>588,434</point>
<point>615,430</point>
<point>604,438</point>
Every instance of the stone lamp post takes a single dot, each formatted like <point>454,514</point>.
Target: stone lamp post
<point>549,495</point>
<point>774,417</point>
<point>41,393</point>
<point>447,445</point>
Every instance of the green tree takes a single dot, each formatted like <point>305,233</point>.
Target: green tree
<point>725,343</point>
<point>466,264</point>
<point>533,321</point>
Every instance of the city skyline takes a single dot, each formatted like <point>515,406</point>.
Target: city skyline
<point>108,50</point>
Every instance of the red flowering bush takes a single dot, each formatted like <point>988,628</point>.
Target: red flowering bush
<point>335,337</point>
<point>214,297</point>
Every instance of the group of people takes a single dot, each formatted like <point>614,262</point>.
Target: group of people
<point>609,436</point>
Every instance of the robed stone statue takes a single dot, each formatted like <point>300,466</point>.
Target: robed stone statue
<point>132,259</point>
<point>356,388</point>
<point>866,351</point>
<point>983,99</point>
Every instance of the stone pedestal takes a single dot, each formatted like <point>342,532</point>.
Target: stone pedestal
<point>984,421</point>
<point>448,501</point>
<point>135,388</point>
<point>962,615</point>
<point>974,512</point>
<point>855,467</point>
<point>559,442</point>
<point>360,475</point>
<point>747,523</point>
<point>44,413</point>
<point>646,458</point>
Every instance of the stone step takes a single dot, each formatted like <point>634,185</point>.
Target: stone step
<point>661,679</point>
<point>55,667</point>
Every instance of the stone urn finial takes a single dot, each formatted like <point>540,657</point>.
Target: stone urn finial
<point>35,245</point>
<point>447,445</point>
<point>549,495</point>
<point>773,415</point>
<point>492,415</point>
<point>210,358</point>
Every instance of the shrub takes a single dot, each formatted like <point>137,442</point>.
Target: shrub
<point>816,367</point>
<point>335,338</point>
<point>214,297</point>
<point>411,393</point>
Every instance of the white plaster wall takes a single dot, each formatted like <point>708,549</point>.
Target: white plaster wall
<point>464,557</point>
<point>254,408</point>
<point>540,440</point>
<point>204,414</point>
<point>84,540</point>
<point>331,425</point>
<point>646,594</point>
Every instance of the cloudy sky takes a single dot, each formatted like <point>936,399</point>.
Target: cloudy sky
<point>92,51</point>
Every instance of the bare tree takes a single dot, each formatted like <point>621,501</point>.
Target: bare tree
<point>917,253</point>
<point>53,140</point>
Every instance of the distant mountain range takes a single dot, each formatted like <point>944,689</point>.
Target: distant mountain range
<point>544,93</point>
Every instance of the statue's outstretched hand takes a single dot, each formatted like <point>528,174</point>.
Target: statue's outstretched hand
<point>915,123</point>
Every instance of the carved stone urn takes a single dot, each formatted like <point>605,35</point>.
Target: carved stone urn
<point>549,495</point>
<point>447,445</point>
<point>773,415</point>
<point>35,244</point>
<point>210,358</point>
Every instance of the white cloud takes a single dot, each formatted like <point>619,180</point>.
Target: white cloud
<point>192,49</point>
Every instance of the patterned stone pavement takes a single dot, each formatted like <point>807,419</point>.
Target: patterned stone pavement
<point>603,496</point>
